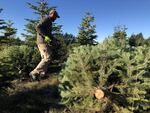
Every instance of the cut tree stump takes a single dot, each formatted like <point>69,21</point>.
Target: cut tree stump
<point>99,94</point>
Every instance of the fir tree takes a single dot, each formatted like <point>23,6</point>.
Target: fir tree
<point>147,42</point>
<point>120,35</point>
<point>69,38</point>
<point>41,9</point>
<point>122,74</point>
<point>136,40</point>
<point>87,31</point>
<point>9,31</point>
<point>30,35</point>
<point>2,26</point>
<point>17,61</point>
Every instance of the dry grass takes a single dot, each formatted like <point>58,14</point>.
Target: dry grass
<point>20,86</point>
<point>32,97</point>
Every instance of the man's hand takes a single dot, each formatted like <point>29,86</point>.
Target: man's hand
<point>47,39</point>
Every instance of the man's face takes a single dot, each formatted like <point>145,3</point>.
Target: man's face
<point>53,17</point>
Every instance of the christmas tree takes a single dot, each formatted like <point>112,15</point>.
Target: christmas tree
<point>106,78</point>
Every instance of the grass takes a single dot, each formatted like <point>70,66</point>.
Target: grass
<point>32,97</point>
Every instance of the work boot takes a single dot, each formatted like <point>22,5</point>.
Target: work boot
<point>33,75</point>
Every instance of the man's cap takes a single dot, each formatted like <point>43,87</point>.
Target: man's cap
<point>53,11</point>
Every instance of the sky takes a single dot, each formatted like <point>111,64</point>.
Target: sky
<point>134,14</point>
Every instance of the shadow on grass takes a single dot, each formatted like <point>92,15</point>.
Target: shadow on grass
<point>31,101</point>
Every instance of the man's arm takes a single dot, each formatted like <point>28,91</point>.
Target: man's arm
<point>40,27</point>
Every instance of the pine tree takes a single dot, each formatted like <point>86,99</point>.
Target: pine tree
<point>2,26</point>
<point>122,74</point>
<point>4,79</point>
<point>18,61</point>
<point>120,35</point>
<point>30,35</point>
<point>87,31</point>
<point>69,38</point>
<point>10,31</point>
<point>41,9</point>
<point>136,40</point>
<point>147,42</point>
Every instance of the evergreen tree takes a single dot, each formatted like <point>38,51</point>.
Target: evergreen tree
<point>18,61</point>
<point>8,34</point>
<point>69,38</point>
<point>4,79</point>
<point>10,31</point>
<point>136,40</point>
<point>2,26</point>
<point>120,35</point>
<point>122,74</point>
<point>65,46</point>
<point>41,9</point>
<point>87,31</point>
<point>56,30</point>
<point>147,42</point>
<point>30,35</point>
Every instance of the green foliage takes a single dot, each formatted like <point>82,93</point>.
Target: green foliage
<point>41,9</point>
<point>87,31</point>
<point>136,40</point>
<point>147,42</point>
<point>9,31</point>
<point>67,41</point>
<point>68,38</point>
<point>56,29</point>
<point>120,35</point>
<point>10,41</point>
<point>17,61</point>
<point>122,73</point>
<point>59,54</point>
<point>8,34</point>
<point>2,26</point>
<point>30,35</point>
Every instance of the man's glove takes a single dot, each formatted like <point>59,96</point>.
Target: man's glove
<point>47,39</point>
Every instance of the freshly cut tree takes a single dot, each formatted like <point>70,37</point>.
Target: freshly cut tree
<point>106,78</point>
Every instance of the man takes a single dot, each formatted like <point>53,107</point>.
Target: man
<point>44,41</point>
